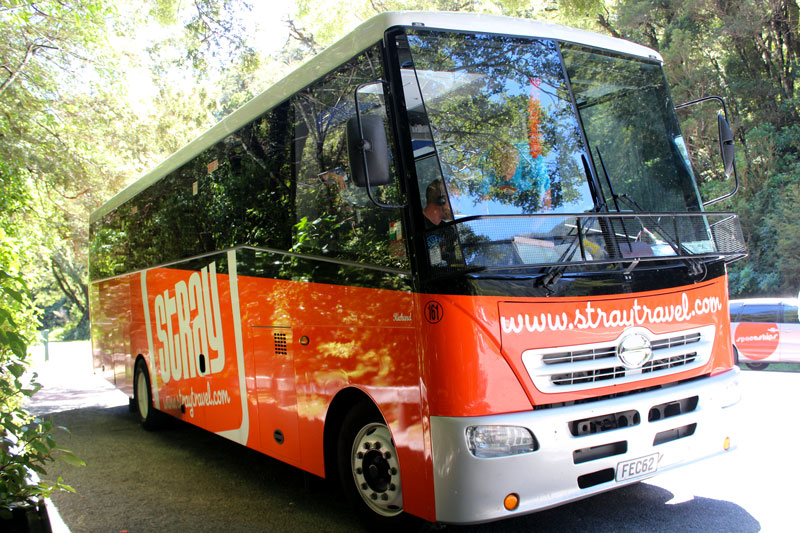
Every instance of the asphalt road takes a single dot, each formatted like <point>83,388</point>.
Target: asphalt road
<point>184,479</point>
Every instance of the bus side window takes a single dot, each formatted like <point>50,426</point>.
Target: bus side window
<point>759,313</point>
<point>735,309</point>
<point>789,314</point>
<point>334,216</point>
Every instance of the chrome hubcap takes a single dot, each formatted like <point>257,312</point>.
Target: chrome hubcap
<point>376,470</point>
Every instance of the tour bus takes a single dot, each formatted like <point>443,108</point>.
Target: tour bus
<point>457,263</point>
<point>765,330</point>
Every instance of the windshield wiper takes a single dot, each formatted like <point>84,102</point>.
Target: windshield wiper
<point>553,274</point>
<point>680,250</point>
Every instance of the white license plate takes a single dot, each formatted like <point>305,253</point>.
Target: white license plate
<point>637,467</point>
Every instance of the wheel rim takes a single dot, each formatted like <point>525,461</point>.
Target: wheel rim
<point>142,393</point>
<point>376,470</point>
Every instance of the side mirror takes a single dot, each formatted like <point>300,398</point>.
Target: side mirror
<point>368,144</point>
<point>726,147</point>
<point>726,144</point>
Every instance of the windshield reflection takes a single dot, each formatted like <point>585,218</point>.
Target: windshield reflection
<point>498,145</point>
<point>497,111</point>
<point>632,131</point>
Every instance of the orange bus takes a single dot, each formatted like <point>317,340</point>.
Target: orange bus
<point>458,263</point>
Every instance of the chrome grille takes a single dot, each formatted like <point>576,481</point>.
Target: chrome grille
<point>596,365</point>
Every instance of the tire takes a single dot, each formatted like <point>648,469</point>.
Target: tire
<point>143,397</point>
<point>757,366</point>
<point>735,356</point>
<point>369,471</point>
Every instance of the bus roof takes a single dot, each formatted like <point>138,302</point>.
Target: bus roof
<point>364,36</point>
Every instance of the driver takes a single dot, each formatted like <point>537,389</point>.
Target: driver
<point>441,238</point>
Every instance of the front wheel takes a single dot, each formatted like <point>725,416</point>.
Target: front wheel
<point>757,366</point>
<point>369,470</point>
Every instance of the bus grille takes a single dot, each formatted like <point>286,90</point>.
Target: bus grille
<point>596,365</point>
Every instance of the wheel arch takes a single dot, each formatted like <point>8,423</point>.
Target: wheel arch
<point>344,401</point>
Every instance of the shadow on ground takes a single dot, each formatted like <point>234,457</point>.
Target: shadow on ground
<point>181,478</point>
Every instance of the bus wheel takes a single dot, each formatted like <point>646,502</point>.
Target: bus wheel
<point>735,355</point>
<point>143,397</point>
<point>368,468</point>
<point>757,366</point>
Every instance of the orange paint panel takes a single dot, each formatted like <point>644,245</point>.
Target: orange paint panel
<point>195,348</point>
<point>341,337</point>
<point>474,345</point>
<point>465,371</point>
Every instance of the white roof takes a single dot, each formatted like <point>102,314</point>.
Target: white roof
<point>364,36</point>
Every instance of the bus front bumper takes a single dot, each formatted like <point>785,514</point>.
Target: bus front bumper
<point>671,430</point>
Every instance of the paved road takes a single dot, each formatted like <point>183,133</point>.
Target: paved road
<point>184,479</point>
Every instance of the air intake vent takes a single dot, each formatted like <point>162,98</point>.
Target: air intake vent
<point>280,344</point>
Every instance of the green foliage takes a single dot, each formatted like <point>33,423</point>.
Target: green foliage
<point>749,53</point>
<point>28,443</point>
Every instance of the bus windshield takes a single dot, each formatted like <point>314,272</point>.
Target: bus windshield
<point>505,130</point>
<point>632,130</point>
<point>500,120</point>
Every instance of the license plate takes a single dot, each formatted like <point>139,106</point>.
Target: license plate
<point>637,467</point>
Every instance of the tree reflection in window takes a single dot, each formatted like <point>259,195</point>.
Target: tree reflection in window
<point>502,123</point>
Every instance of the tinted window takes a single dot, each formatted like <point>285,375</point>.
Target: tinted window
<point>759,313</point>
<point>734,310</point>
<point>501,120</point>
<point>238,192</point>
<point>789,313</point>
<point>334,216</point>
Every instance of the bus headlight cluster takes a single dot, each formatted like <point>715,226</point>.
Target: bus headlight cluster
<point>499,441</point>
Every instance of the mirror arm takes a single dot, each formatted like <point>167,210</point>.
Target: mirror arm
<point>725,113</point>
<point>365,146</point>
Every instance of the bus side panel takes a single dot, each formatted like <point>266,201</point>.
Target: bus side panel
<point>341,337</point>
<point>111,324</point>
<point>194,335</point>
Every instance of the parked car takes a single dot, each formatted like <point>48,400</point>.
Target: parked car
<point>765,330</point>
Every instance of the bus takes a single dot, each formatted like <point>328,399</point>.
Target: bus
<point>457,263</point>
<point>765,331</point>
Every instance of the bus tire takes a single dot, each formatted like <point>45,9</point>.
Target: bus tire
<point>735,355</point>
<point>143,397</point>
<point>369,471</point>
<point>757,366</point>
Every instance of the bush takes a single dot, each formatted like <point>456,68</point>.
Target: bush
<point>28,444</point>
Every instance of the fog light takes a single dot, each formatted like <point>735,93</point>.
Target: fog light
<point>499,441</point>
<point>511,502</point>
<point>726,444</point>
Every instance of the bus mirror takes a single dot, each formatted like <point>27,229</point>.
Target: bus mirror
<point>726,144</point>
<point>369,140</point>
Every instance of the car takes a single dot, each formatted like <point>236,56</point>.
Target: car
<point>765,330</point>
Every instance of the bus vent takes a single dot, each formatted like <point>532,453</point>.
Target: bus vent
<point>587,366</point>
<point>608,422</point>
<point>674,434</point>
<point>280,344</point>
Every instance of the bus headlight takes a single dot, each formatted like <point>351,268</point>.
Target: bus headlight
<point>499,441</point>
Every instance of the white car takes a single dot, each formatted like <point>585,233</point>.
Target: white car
<point>765,330</point>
